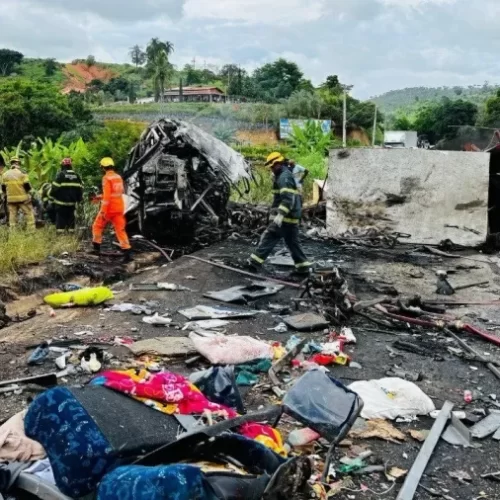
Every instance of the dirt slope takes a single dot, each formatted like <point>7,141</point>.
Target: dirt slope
<point>79,75</point>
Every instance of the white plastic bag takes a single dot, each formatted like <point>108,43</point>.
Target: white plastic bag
<point>391,398</point>
<point>221,350</point>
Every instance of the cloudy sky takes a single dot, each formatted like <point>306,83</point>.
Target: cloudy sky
<point>375,45</point>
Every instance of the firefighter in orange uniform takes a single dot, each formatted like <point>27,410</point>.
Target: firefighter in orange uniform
<point>112,210</point>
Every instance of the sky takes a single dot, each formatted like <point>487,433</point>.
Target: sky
<point>374,45</point>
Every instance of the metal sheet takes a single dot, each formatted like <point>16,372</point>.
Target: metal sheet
<point>430,190</point>
<point>306,322</point>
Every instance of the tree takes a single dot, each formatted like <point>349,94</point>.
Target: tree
<point>492,115</point>
<point>402,122</point>
<point>137,55</point>
<point>442,120</point>
<point>90,61</point>
<point>158,65</point>
<point>30,108</point>
<point>50,66</point>
<point>162,70</point>
<point>277,80</point>
<point>332,84</point>
<point>9,59</point>
<point>79,109</point>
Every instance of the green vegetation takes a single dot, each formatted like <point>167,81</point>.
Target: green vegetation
<point>20,248</point>
<point>32,109</point>
<point>410,99</point>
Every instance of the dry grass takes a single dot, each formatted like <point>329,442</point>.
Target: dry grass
<point>19,248</point>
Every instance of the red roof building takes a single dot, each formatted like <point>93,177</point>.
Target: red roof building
<point>195,94</point>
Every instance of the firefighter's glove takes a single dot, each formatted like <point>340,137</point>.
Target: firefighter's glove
<point>278,220</point>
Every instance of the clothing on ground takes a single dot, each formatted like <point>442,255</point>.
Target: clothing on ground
<point>171,393</point>
<point>15,445</point>
<point>16,185</point>
<point>119,224</point>
<point>25,208</point>
<point>79,453</point>
<point>272,236</point>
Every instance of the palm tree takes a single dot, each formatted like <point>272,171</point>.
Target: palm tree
<point>161,73</point>
<point>158,65</point>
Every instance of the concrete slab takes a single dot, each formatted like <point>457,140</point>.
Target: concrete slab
<point>432,195</point>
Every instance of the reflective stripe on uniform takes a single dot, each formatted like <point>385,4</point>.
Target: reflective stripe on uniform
<point>291,221</point>
<point>69,184</point>
<point>288,190</point>
<point>257,259</point>
<point>64,203</point>
<point>284,209</point>
<point>303,264</point>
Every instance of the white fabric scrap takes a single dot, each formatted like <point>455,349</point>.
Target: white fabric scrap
<point>231,350</point>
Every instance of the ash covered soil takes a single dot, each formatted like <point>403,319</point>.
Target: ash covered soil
<point>370,273</point>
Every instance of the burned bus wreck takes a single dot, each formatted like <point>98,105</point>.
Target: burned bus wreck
<point>179,180</point>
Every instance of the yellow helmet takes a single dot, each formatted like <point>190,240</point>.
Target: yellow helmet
<point>107,162</point>
<point>274,158</point>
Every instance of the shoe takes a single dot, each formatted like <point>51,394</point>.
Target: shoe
<point>251,265</point>
<point>96,248</point>
<point>127,256</point>
<point>290,481</point>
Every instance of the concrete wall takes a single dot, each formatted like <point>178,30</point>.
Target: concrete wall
<point>412,191</point>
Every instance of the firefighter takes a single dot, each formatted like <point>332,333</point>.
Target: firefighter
<point>16,188</point>
<point>287,202</point>
<point>66,191</point>
<point>48,208</point>
<point>112,210</point>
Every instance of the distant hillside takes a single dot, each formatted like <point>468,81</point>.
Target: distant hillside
<point>78,74</point>
<point>411,98</point>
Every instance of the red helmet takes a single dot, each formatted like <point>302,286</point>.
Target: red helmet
<point>66,162</point>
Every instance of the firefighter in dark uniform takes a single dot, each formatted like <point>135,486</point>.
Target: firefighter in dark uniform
<point>288,203</point>
<point>66,192</point>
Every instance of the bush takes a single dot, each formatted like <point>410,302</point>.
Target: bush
<point>116,140</point>
<point>33,109</point>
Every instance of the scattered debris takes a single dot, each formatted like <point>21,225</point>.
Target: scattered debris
<point>486,427</point>
<point>256,290</point>
<point>457,434</point>
<point>419,435</point>
<point>378,428</point>
<point>392,398</point>
<point>221,350</point>
<point>84,297</point>
<point>216,312</point>
<point>412,481</point>
<point>461,475</point>
<point>306,322</point>
<point>157,320</point>
<point>164,346</point>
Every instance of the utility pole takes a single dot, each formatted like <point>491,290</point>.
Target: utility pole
<point>344,124</point>
<point>374,126</point>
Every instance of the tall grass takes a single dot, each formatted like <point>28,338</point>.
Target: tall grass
<point>19,248</point>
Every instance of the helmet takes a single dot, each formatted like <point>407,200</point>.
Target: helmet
<point>274,158</point>
<point>66,162</point>
<point>107,162</point>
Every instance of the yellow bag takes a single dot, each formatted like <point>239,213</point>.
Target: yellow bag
<point>83,297</point>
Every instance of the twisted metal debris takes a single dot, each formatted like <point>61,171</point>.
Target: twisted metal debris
<point>179,180</point>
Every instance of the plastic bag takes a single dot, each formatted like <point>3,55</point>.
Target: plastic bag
<point>391,398</point>
<point>83,297</point>
<point>322,403</point>
<point>218,384</point>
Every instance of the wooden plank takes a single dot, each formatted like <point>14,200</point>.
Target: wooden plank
<point>418,468</point>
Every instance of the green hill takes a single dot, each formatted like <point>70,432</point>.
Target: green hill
<point>411,98</point>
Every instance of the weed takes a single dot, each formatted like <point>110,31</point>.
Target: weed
<point>20,248</point>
